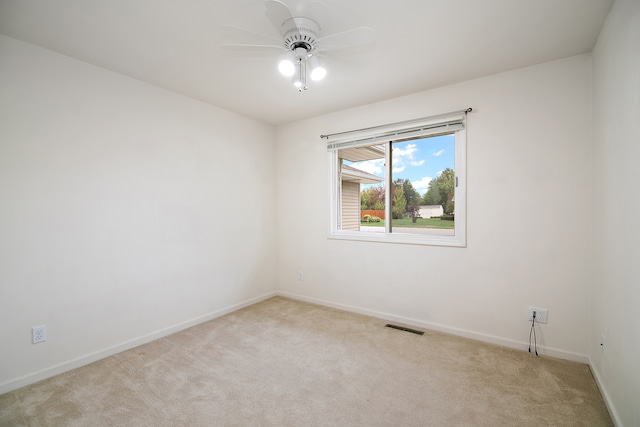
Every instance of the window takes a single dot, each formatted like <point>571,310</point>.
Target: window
<point>400,183</point>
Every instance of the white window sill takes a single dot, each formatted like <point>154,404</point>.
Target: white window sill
<point>401,238</point>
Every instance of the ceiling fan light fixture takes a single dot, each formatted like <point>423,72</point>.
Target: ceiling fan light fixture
<point>287,64</point>
<point>318,72</point>
<point>300,76</point>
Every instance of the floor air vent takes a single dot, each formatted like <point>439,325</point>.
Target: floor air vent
<point>402,328</point>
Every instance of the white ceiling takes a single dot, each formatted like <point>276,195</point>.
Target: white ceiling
<point>419,45</point>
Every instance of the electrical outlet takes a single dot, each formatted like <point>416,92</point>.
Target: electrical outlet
<point>541,314</point>
<point>38,334</point>
<point>300,276</point>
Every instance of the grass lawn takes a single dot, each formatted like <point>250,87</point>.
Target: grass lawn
<point>408,223</point>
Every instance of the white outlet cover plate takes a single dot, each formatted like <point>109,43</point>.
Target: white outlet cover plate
<point>541,314</point>
<point>39,334</point>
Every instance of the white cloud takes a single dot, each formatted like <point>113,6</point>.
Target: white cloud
<point>406,151</point>
<point>405,156</point>
<point>422,185</point>
<point>438,153</point>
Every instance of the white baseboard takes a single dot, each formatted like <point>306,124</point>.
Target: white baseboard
<point>504,342</point>
<point>59,368</point>
<point>615,417</point>
<point>51,371</point>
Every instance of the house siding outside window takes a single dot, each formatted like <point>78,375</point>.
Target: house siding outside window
<point>350,206</point>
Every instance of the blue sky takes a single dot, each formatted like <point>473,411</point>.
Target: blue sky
<point>418,160</point>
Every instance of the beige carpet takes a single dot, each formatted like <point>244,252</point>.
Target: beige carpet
<point>286,363</point>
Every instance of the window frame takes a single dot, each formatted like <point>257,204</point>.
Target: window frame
<point>460,170</point>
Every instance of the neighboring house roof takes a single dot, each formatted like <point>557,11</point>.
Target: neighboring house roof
<point>351,174</point>
<point>358,154</point>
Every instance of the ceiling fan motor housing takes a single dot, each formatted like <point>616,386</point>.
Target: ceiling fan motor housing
<point>300,33</point>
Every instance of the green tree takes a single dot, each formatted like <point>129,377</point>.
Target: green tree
<point>411,195</point>
<point>413,199</point>
<point>399,202</point>
<point>372,198</point>
<point>432,196</point>
<point>364,199</point>
<point>441,191</point>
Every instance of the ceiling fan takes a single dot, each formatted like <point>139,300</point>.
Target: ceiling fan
<point>302,42</point>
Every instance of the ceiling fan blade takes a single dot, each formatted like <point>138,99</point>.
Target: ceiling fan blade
<point>277,13</point>
<point>320,13</point>
<point>355,37</point>
<point>237,35</point>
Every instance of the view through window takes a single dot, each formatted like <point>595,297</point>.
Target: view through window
<point>422,190</point>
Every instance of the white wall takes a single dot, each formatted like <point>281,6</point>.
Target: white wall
<point>119,221</point>
<point>121,207</point>
<point>529,143</point>
<point>616,287</point>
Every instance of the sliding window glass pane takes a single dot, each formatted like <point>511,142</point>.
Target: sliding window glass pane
<point>423,191</point>
<point>362,189</point>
